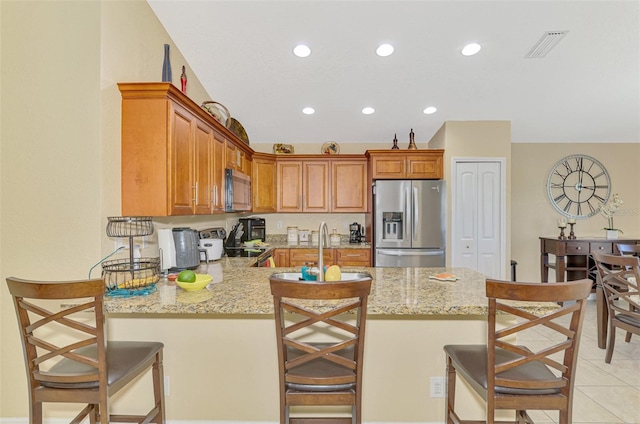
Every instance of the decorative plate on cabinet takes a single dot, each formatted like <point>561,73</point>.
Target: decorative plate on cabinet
<point>330,148</point>
<point>282,148</point>
<point>236,127</point>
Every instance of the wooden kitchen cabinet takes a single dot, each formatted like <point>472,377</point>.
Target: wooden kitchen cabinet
<point>302,185</point>
<point>203,162</point>
<point>173,153</point>
<point>182,178</point>
<point>332,256</point>
<point>353,257</point>
<point>402,164</point>
<point>349,185</point>
<point>281,257</point>
<point>312,184</point>
<point>263,183</point>
<point>315,186</point>
<point>300,256</point>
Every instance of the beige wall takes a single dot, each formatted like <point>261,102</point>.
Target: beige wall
<point>532,213</point>
<point>60,143</point>
<point>60,155</point>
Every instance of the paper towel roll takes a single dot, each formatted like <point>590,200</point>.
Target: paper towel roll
<point>166,249</point>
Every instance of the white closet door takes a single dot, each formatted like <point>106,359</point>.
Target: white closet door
<point>479,217</point>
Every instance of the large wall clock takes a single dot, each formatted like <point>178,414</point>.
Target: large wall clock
<point>577,185</point>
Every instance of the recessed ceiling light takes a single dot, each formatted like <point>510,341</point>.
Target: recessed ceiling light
<point>368,110</point>
<point>308,111</point>
<point>471,49</point>
<point>301,50</point>
<point>384,50</point>
<point>429,110</point>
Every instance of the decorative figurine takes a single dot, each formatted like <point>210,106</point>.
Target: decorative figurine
<point>412,143</point>
<point>183,80</point>
<point>395,142</point>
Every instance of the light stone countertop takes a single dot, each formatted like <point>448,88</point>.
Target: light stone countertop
<point>240,290</point>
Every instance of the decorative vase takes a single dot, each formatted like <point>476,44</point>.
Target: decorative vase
<point>612,234</point>
<point>412,142</point>
<point>166,65</point>
<point>395,142</point>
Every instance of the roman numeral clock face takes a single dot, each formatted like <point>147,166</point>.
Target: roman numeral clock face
<point>578,185</point>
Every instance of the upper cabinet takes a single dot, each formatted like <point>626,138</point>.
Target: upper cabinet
<point>263,182</point>
<point>406,164</point>
<point>174,153</point>
<point>312,183</point>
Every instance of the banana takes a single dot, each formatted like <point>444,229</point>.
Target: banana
<point>138,282</point>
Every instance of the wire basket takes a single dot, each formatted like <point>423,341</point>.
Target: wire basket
<point>129,226</point>
<point>128,275</point>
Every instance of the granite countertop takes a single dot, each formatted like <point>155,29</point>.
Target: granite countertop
<point>240,290</point>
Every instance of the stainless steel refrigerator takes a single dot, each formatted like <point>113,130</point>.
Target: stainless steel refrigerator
<point>409,223</point>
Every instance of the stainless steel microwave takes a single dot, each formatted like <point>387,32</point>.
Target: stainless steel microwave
<point>237,191</point>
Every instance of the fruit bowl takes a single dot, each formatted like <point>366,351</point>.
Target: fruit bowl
<point>201,281</point>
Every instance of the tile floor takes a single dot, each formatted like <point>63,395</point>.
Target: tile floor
<point>604,393</point>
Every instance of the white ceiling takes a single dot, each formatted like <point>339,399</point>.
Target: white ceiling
<point>587,89</point>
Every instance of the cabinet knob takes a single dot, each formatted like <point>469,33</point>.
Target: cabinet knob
<point>578,248</point>
<point>600,248</point>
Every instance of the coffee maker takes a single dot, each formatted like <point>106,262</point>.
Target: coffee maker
<point>355,233</point>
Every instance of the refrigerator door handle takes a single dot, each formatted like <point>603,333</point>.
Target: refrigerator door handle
<point>407,199</point>
<point>404,253</point>
<point>415,214</point>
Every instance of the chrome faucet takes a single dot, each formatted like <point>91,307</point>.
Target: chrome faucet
<point>323,233</point>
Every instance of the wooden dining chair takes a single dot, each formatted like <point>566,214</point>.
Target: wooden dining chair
<point>628,249</point>
<point>68,358</point>
<point>511,376</point>
<point>619,277</point>
<point>320,328</point>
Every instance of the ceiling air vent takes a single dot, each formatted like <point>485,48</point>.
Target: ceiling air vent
<point>544,45</point>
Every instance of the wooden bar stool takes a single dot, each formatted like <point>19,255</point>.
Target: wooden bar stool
<point>511,376</point>
<point>68,358</point>
<point>325,371</point>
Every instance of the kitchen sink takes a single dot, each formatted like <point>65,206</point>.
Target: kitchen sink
<point>297,276</point>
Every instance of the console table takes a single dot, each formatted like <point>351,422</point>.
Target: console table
<point>573,261</point>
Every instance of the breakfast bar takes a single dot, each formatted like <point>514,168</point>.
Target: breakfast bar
<point>220,341</point>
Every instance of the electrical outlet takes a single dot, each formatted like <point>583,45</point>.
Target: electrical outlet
<point>437,387</point>
<point>279,224</point>
<point>166,385</point>
<point>121,243</point>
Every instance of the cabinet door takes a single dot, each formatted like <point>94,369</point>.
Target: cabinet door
<point>247,164</point>
<point>203,162</point>
<point>289,178</point>
<point>353,257</point>
<point>349,186</point>
<point>281,257</point>
<point>388,167</point>
<point>316,182</point>
<point>263,184</point>
<point>426,165</point>
<point>232,156</point>
<point>217,189</point>
<point>182,175</point>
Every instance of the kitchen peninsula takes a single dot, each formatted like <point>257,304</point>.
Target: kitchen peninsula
<point>220,342</point>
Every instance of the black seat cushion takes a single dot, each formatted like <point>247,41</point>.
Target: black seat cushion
<point>628,319</point>
<point>471,362</point>
<point>321,368</point>
<point>122,357</point>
